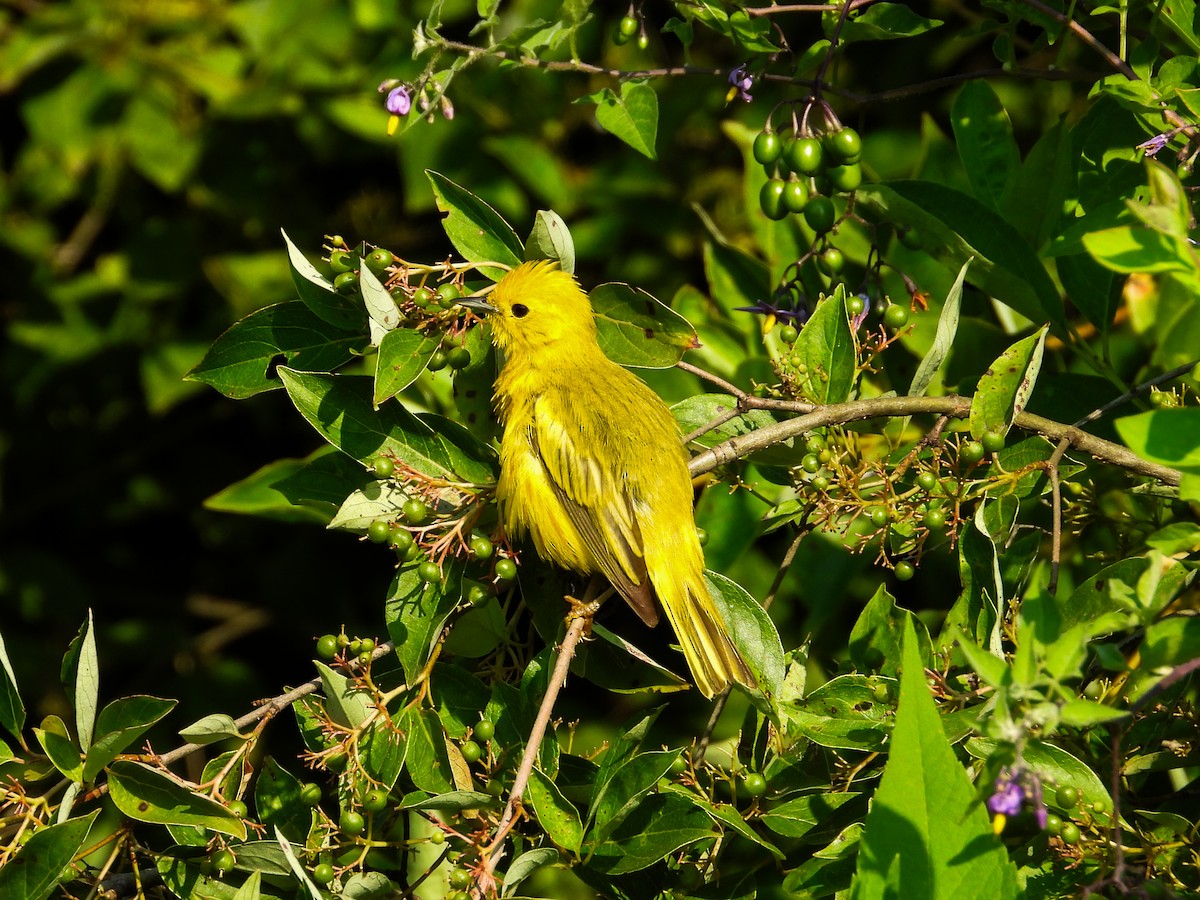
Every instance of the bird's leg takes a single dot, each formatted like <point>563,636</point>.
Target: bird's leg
<point>579,623</point>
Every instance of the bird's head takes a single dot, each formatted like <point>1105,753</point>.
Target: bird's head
<point>538,307</point>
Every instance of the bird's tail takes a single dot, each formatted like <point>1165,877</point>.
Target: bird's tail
<point>703,635</point>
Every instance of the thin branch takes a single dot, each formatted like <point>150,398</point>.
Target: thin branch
<point>1086,36</point>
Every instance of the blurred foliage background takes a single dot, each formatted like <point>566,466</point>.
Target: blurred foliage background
<point>151,154</point>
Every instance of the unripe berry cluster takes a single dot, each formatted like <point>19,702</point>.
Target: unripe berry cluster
<point>804,169</point>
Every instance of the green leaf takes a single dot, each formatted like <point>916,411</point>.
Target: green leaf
<point>12,709</point>
<point>476,230</point>
<point>909,848</point>
<point>251,888</point>
<point>1054,766</point>
<point>317,293</point>
<point>298,870</point>
<point>86,685</point>
<point>550,239</point>
<point>886,21</point>
<point>876,637</point>
<point>632,116</point>
<point>322,483</point>
<point>380,305</point>
<point>1034,200</point>
<point>428,763</point>
<point>1169,437</point>
<point>277,800</point>
<point>827,349</point>
<point>259,494</point>
<point>479,631</point>
<point>985,141</point>
<point>795,818</point>
<point>151,795</point>
<point>44,861</point>
<point>376,501</point>
<point>956,227</point>
<point>341,409</point>
<point>1091,287</point>
<point>752,631</point>
<point>1136,248</point>
<point>943,341</point>
<point>843,713</point>
<point>59,747</point>
<point>618,665</point>
<point>656,828</point>
<point>451,801</point>
<point>1081,713</point>
<point>241,362</point>
<point>752,33</point>
<point>458,696</point>
<point>120,724</point>
<point>525,865</point>
<point>210,729</point>
<point>347,704</point>
<point>635,329</point>
<point>416,612</point>
<point>557,815</point>
<point>382,750</point>
<point>1005,387</point>
<point>621,792</point>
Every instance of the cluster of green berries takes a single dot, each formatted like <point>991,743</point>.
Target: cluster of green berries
<point>804,170</point>
<point>329,646</point>
<point>1064,824</point>
<point>344,264</point>
<point>627,28</point>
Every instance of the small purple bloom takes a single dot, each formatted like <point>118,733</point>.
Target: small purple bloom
<point>857,320</point>
<point>1155,144</point>
<point>741,81</point>
<point>399,101</point>
<point>1009,796</point>
<point>796,315</point>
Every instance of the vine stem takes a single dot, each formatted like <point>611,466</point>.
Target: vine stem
<point>580,623</point>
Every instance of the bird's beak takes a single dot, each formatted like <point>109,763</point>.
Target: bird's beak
<point>477,306</point>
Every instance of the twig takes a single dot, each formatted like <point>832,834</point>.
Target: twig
<point>581,621</point>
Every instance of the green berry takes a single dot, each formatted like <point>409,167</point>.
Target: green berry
<point>755,784</point>
<point>767,148</point>
<point>459,358</point>
<point>820,214</point>
<point>429,571</point>
<point>327,646</point>
<point>364,658</point>
<point>383,466</point>
<point>471,751</point>
<point>795,195</point>
<point>905,570</point>
<point>367,645</point>
<point>971,452</point>
<point>1069,834</point>
<point>856,304</point>
<point>355,647</point>
<point>400,538</point>
<point>223,860</point>
<point>832,261</point>
<point>484,729</point>
<point>337,240</point>
<point>375,800</point>
<point>310,794</point>
<point>346,283</point>
<point>341,262</point>
<point>1066,797</point>
<point>1054,824</point>
<point>804,156</point>
<point>438,361</point>
<point>322,873</point>
<point>811,463</point>
<point>643,41</point>
<point>820,483</point>
<point>459,878</point>
<point>702,536</point>
<point>481,547</point>
<point>238,808</point>
<point>422,297</point>
<point>678,765</point>
<point>379,260</point>
<point>377,531</point>
<point>770,198</point>
<point>448,294</point>
<point>927,481</point>
<point>437,838</point>
<point>910,238</point>
<point>879,517</point>
<point>416,511</point>
<point>627,27</point>
<point>506,569</point>
<point>788,334</point>
<point>351,823</point>
<point>844,145</point>
<point>895,316</point>
<point>993,441</point>
<point>934,519</point>
<point>845,178</point>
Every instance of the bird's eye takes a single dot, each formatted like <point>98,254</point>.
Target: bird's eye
<point>520,310</point>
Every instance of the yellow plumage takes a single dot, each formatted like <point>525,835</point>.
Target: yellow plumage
<point>593,470</point>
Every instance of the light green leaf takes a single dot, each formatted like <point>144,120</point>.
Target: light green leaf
<point>632,116</point>
<point>60,748</point>
<point>210,729</point>
<point>377,501</point>
<point>416,612</point>
<point>297,867</point>
<point>635,329</point>
<point>317,293</point>
<point>943,340</point>
<point>475,229</point>
<point>795,818</point>
<point>380,305</point>
<point>550,239</point>
<point>828,351</point>
<point>886,21</point>
<point>1170,437</point>
<point>151,795</point>
<point>44,861</point>
<point>557,815</point>
<point>120,724</point>
<point>1005,387</point>
<point>753,633</point>
<point>525,865</point>
<point>271,491</point>
<point>908,849</point>
<point>86,685</point>
<point>12,709</point>
<point>347,704</point>
<point>251,887</point>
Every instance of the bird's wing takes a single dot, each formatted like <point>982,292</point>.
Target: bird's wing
<point>598,505</point>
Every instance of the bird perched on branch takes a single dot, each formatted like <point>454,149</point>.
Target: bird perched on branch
<point>592,467</point>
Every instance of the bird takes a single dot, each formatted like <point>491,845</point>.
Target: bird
<point>593,469</point>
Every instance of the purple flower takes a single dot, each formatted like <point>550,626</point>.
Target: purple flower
<point>399,101</point>
<point>741,81</point>
<point>796,315</point>
<point>1009,796</point>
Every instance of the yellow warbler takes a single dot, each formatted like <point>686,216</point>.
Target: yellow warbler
<point>592,467</point>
